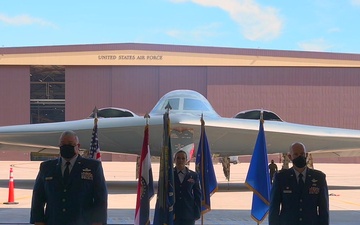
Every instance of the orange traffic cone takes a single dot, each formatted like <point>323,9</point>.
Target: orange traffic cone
<point>11,189</point>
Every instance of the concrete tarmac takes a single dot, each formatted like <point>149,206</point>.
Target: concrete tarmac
<point>230,205</point>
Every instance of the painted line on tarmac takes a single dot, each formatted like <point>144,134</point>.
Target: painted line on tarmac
<point>346,202</point>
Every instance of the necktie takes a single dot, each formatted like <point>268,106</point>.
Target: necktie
<point>181,176</point>
<point>301,181</point>
<point>66,173</point>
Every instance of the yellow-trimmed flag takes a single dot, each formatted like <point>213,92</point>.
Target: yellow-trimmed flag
<point>205,169</point>
<point>258,178</point>
<point>164,208</point>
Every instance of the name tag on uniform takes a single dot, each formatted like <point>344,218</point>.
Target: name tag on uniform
<point>48,178</point>
<point>287,191</point>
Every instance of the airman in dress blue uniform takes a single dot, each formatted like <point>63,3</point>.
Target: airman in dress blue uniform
<point>299,195</point>
<point>187,206</point>
<point>70,190</point>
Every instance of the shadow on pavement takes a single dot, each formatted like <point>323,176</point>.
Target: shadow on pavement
<point>130,187</point>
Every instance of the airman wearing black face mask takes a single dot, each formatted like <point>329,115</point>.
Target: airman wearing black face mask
<point>299,195</point>
<point>68,151</point>
<point>71,188</point>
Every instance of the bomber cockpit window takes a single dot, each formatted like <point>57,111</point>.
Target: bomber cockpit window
<point>174,103</point>
<point>194,104</point>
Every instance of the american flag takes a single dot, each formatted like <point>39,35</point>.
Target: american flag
<point>94,152</point>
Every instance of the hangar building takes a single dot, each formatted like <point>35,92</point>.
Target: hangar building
<point>58,83</point>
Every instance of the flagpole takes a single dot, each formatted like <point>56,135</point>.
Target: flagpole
<point>145,189</point>
<point>205,170</point>
<point>95,111</point>
<point>164,207</point>
<point>257,179</point>
<point>94,151</point>
<point>202,153</point>
<point>95,116</point>
<point>147,117</point>
<point>138,159</point>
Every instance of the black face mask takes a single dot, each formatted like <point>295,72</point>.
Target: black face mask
<point>300,161</point>
<point>67,151</point>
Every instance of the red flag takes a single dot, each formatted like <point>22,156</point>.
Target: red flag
<point>145,189</point>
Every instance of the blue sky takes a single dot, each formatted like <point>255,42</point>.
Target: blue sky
<point>306,25</point>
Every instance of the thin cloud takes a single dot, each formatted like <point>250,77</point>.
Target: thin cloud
<point>23,20</point>
<point>198,34</point>
<point>316,45</point>
<point>355,2</point>
<point>256,22</point>
<point>334,30</point>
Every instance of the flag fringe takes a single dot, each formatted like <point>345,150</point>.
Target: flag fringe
<point>257,193</point>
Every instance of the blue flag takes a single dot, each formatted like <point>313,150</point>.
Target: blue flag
<point>145,188</point>
<point>205,169</point>
<point>164,208</point>
<point>258,178</point>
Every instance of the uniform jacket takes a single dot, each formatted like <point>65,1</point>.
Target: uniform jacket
<point>290,207</point>
<point>82,201</point>
<point>187,196</point>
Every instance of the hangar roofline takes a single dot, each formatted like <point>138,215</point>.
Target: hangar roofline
<point>125,54</point>
<point>178,48</point>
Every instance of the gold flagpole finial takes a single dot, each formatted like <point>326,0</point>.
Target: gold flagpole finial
<point>202,119</point>
<point>147,117</point>
<point>95,111</point>
<point>168,107</point>
<point>262,116</point>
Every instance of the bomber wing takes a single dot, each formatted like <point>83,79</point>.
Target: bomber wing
<point>226,136</point>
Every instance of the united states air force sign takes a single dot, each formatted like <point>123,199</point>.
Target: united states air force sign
<point>130,57</point>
